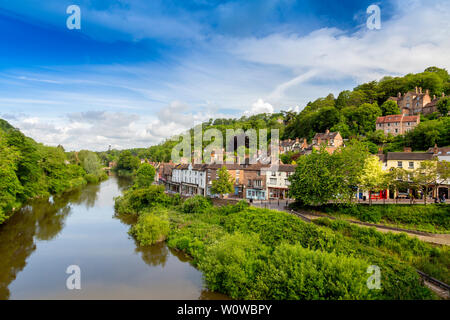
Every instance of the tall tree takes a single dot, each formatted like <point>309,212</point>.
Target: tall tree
<point>223,184</point>
<point>145,176</point>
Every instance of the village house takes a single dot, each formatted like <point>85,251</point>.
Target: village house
<point>417,102</point>
<point>331,141</point>
<point>255,182</point>
<point>397,124</point>
<point>406,160</point>
<point>432,106</point>
<point>412,102</point>
<point>189,179</point>
<point>277,180</point>
<point>237,174</point>
<point>296,145</point>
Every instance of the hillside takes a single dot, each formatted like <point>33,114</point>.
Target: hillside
<point>352,113</point>
<point>30,170</point>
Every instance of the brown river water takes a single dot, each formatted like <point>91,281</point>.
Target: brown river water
<point>38,244</point>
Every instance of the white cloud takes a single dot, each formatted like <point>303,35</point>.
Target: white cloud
<point>417,37</point>
<point>259,107</point>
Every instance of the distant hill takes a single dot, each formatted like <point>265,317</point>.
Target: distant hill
<point>5,126</point>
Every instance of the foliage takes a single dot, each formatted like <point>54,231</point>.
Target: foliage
<point>432,217</point>
<point>145,176</point>
<point>372,178</point>
<point>390,107</point>
<point>321,177</point>
<point>127,162</point>
<point>150,228</point>
<point>135,200</point>
<point>443,106</point>
<point>196,204</point>
<point>424,256</point>
<point>30,170</point>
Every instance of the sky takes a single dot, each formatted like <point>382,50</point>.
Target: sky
<point>138,71</point>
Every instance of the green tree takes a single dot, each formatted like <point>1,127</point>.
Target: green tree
<point>127,162</point>
<point>397,179</point>
<point>390,107</point>
<point>372,177</point>
<point>425,176</point>
<point>145,176</point>
<point>443,106</point>
<point>223,184</point>
<point>10,185</point>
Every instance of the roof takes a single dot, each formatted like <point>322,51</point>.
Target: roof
<point>326,136</point>
<point>397,118</point>
<point>409,156</point>
<point>287,143</point>
<point>440,151</point>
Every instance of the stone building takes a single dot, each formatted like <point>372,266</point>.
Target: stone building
<point>397,124</point>
<point>412,102</point>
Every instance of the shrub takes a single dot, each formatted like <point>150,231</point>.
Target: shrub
<point>197,204</point>
<point>294,272</point>
<point>150,229</point>
<point>136,200</point>
<point>231,265</point>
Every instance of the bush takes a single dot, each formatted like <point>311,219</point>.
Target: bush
<point>231,265</point>
<point>150,229</point>
<point>431,217</point>
<point>425,257</point>
<point>294,272</point>
<point>136,200</point>
<point>197,204</point>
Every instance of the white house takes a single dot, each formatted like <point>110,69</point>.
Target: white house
<point>277,182</point>
<point>190,178</point>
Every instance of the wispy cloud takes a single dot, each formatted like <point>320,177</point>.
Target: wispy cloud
<point>213,63</point>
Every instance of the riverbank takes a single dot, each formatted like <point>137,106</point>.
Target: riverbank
<point>253,253</point>
<point>79,228</point>
<point>431,218</point>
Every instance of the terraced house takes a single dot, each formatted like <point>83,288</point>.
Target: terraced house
<point>397,124</point>
<point>277,180</point>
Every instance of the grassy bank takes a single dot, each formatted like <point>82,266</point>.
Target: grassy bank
<point>253,253</point>
<point>434,218</point>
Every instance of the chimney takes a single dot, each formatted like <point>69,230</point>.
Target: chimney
<point>407,149</point>
<point>380,150</point>
<point>435,149</point>
<point>420,90</point>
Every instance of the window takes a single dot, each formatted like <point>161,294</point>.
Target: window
<point>396,130</point>
<point>411,165</point>
<point>399,164</point>
<point>273,181</point>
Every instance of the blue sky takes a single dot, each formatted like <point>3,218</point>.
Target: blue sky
<point>140,71</point>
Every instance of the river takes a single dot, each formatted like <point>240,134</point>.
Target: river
<point>44,238</point>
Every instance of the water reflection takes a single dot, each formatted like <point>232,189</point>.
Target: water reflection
<point>44,237</point>
<point>41,219</point>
